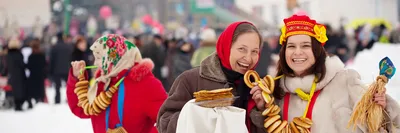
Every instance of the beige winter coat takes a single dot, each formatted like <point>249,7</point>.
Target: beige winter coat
<point>341,91</point>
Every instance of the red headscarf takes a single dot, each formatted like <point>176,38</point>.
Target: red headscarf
<point>224,51</point>
<point>224,44</point>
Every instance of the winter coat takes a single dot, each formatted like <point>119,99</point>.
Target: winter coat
<point>208,76</point>
<point>181,63</point>
<point>341,90</point>
<point>60,61</point>
<point>157,55</point>
<point>201,53</point>
<point>16,73</point>
<point>181,60</point>
<point>144,95</point>
<point>37,67</point>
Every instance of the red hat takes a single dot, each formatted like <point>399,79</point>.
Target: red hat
<point>303,25</point>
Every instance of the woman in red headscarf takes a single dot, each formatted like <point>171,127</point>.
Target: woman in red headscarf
<point>238,50</point>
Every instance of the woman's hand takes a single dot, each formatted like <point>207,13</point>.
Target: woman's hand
<point>77,67</point>
<point>257,97</point>
<point>380,98</point>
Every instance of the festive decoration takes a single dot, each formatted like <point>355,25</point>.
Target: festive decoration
<point>158,27</point>
<point>303,25</point>
<point>367,112</point>
<point>105,12</point>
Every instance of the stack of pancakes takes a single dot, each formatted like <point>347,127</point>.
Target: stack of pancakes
<point>214,98</point>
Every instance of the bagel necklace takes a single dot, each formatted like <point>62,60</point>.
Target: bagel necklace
<point>272,123</point>
<point>101,102</point>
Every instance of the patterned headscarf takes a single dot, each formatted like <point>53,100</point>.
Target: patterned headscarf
<point>113,53</point>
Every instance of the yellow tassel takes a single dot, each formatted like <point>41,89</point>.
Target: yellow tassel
<point>302,94</point>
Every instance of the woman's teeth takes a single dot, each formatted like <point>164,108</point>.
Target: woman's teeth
<point>298,60</point>
<point>243,64</point>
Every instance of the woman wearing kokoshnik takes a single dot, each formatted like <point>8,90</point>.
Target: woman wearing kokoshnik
<point>312,86</point>
<point>126,95</point>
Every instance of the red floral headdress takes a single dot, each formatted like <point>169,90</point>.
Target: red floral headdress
<point>303,25</point>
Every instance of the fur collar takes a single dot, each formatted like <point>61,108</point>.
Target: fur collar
<point>210,68</point>
<point>333,66</point>
<point>141,69</point>
<point>138,71</point>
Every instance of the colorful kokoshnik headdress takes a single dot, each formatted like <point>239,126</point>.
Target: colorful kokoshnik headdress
<point>303,25</point>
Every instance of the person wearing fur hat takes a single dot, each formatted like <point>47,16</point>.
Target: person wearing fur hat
<point>207,46</point>
<point>16,68</point>
<point>125,97</point>
<point>315,88</point>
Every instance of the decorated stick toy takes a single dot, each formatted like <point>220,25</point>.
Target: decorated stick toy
<point>367,112</point>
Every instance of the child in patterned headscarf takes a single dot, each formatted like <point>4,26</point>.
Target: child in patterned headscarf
<point>126,94</point>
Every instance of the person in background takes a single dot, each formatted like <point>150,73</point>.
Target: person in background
<point>169,62</point>
<point>138,41</point>
<point>207,46</point>
<point>79,52</point>
<point>181,59</point>
<point>335,45</point>
<point>9,99</point>
<point>16,68</point>
<point>156,52</point>
<point>395,35</point>
<point>59,63</point>
<point>37,67</point>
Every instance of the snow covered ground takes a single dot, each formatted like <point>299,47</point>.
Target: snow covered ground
<point>44,118</point>
<point>50,118</point>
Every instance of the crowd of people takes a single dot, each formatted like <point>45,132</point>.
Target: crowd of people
<point>163,71</point>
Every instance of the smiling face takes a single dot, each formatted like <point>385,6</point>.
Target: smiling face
<point>245,52</point>
<point>299,54</point>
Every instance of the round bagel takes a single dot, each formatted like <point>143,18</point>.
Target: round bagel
<point>267,111</point>
<point>293,128</point>
<point>299,122</point>
<point>82,83</point>
<point>274,126</point>
<point>247,75</point>
<point>307,120</point>
<point>270,120</point>
<point>281,127</point>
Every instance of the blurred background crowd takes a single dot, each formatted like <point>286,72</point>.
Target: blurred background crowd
<point>47,35</point>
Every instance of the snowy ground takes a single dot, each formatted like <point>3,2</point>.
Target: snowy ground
<point>366,63</point>
<point>44,118</point>
<point>50,118</point>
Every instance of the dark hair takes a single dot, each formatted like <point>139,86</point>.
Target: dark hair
<point>317,68</point>
<point>35,45</point>
<point>79,40</point>
<point>157,36</point>
<point>245,28</point>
